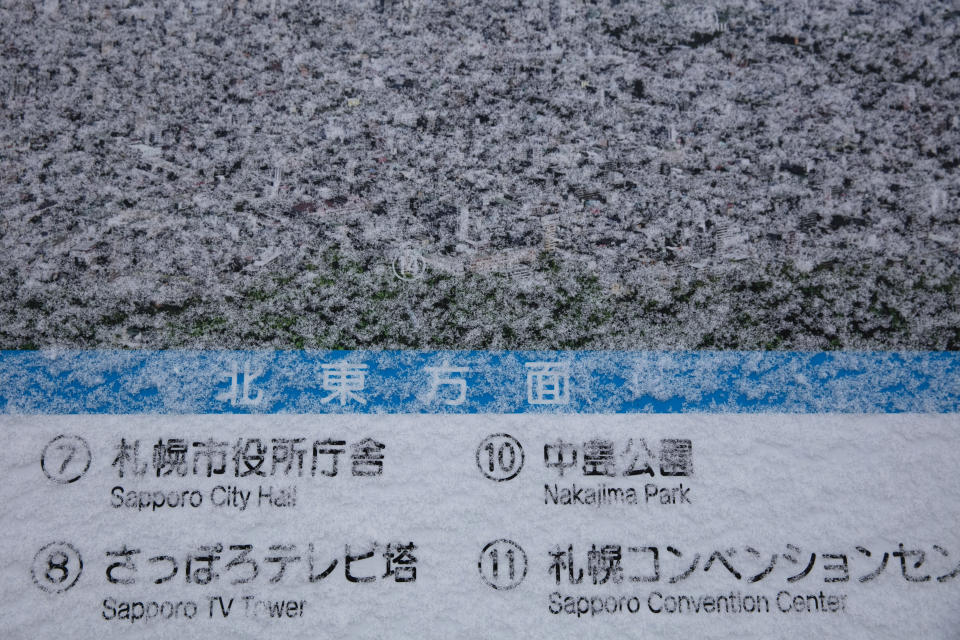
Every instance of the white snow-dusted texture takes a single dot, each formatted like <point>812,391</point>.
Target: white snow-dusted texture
<point>483,382</point>
<point>549,174</point>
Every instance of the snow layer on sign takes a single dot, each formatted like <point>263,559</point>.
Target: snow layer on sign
<point>495,382</point>
<point>484,175</point>
<point>776,506</point>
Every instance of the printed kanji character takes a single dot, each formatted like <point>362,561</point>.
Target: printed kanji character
<point>598,458</point>
<point>173,567</point>
<point>879,570</point>
<point>128,459</point>
<point>401,563</point>
<point>718,555</point>
<point>342,380</point>
<point>170,457</point>
<point>676,457</point>
<point>286,453</point>
<point>239,393</point>
<point>842,567</point>
<point>367,457</point>
<point>204,574</point>
<point>246,461</point>
<point>348,562</point>
<point>952,574</point>
<point>548,382</point>
<point>902,554</point>
<point>560,455</point>
<point>656,564</point>
<point>317,577</point>
<point>686,574</point>
<point>332,448</point>
<point>793,558</point>
<point>763,574</point>
<point>284,557</point>
<point>448,376</point>
<point>639,458</point>
<point>243,559</point>
<point>216,454</point>
<point>563,561</point>
<point>604,564</point>
<point>126,564</point>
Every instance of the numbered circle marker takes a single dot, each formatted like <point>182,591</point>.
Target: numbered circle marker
<point>500,457</point>
<point>65,459</point>
<point>57,567</point>
<point>503,564</point>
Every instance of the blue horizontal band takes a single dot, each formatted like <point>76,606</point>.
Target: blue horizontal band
<point>502,382</point>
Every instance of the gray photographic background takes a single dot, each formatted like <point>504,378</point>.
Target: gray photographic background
<point>525,174</point>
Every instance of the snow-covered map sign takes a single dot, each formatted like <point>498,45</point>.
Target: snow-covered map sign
<point>470,494</point>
